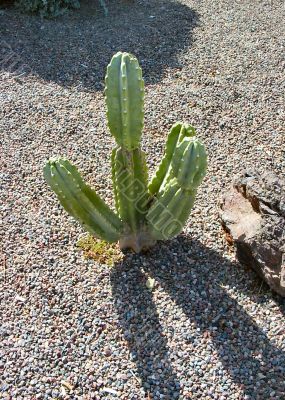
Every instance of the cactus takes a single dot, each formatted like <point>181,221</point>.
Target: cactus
<point>145,212</point>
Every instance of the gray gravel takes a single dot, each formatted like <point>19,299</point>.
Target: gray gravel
<point>74,329</point>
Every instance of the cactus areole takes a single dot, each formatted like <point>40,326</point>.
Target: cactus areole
<point>145,211</point>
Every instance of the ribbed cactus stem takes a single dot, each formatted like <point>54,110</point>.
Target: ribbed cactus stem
<point>170,211</point>
<point>81,202</point>
<point>125,99</point>
<point>176,194</point>
<point>177,133</point>
<point>130,187</point>
<point>189,163</point>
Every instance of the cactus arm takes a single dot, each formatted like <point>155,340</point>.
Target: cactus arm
<point>189,163</point>
<point>170,211</point>
<point>163,172</point>
<point>130,185</point>
<point>125,100</point>
<point>81,202</point>
<point>174,201</point>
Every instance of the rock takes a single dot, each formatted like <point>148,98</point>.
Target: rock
<point>253,217</point>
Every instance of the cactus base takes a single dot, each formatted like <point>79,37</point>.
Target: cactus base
<point>137,241</point>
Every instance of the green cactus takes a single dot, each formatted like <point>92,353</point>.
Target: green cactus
<point>125,100</point>
<point>145,212</point>
<point>170,210</point>
<point>178,132</point>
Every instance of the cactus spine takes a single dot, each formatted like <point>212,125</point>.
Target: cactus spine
<point>145,212</point>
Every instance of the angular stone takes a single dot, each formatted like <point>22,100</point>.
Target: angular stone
<point>253,216</point>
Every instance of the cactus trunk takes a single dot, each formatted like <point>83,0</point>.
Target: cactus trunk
<point>130,186</point>
<point>124,99</point>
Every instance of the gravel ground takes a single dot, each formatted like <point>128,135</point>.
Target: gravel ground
<point>74,329</point>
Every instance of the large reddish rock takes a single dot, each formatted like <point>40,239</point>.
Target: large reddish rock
<point>253,216</point>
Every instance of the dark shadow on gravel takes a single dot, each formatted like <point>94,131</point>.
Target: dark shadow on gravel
<point>194,276</point>
<point>74,50</point>
<point>142,330</point>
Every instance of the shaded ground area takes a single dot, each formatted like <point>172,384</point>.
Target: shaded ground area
<point>230,335</point>
<point>75,49</point>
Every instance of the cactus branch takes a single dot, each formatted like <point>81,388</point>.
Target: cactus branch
<point>189,163</point>
<point>177,133</point>
<point>170,211</point>
<point>176,194</point>
<point>81,202</point>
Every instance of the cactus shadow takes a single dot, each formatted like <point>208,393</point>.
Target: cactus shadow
<point>195,278</point>
<point>74,49</point>
<point>142,330</point>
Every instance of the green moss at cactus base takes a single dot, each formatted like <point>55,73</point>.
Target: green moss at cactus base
<point>99,250</point>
